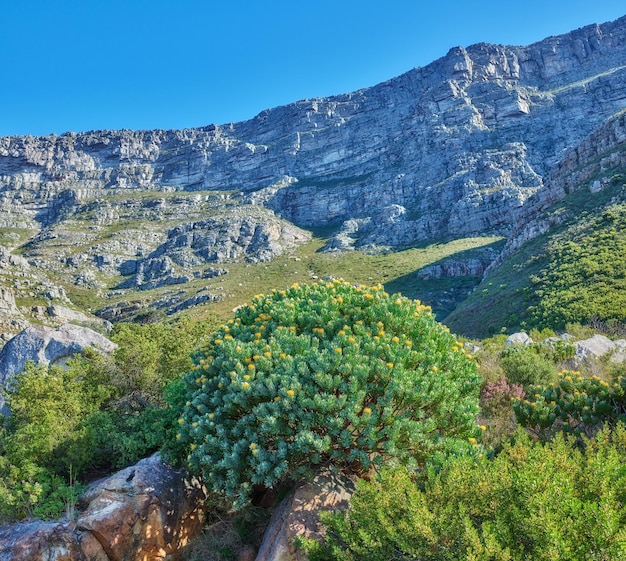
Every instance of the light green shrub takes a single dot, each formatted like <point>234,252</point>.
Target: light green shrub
<point>324,373</point>
<point>547,502</point>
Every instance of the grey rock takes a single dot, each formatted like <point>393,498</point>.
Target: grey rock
<point>518,339</point>
<point>461,144</point>
<point>594,347</point>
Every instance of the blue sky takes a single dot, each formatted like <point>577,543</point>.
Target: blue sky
<point>111,64</point>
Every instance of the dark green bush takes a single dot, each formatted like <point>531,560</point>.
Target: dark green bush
<point>324,373</point>
<point>528,365</point>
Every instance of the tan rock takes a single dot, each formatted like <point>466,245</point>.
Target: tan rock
<point>146,512</point>
<point>298,515</point>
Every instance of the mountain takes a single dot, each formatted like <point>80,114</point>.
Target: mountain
<point>121,223</point>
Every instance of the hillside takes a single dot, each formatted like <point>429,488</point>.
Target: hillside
<point>565,262</point>
<point>127,224</point>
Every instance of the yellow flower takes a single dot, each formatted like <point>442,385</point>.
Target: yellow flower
<point>211,415</point>
<point>194,424</point>
<point>435,369</point>
<point>218,341</point>
<point>181,421</point>
<point>390,365</point>
<point>395,339</point>
<point>177,436</point>
<point>351,340</point>
<point>246,376</point>
<point>339,350</point>
<point>267,354</point>
<point>245,386</point>
<point>471,440</point>
<point>193,446</point>
<point>250,366</point>
<point>291,393</point>
<point>283,355</point>
<point>483,427</point>
<point>292,328</point>
<point>368,296</point>
<point>367,410</point>
<point>255,451</point>
<point>277,398</point>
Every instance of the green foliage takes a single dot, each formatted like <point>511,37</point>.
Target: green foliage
<point>526,365</point>
<point>320,373</point>
<point>150,356</point>
<point>548,502</point>
<point>48,406</point>
<point>586,275</point>
<point>96,414</point>
<point>575,404</point>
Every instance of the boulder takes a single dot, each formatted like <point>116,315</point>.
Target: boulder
<point>518,339</point>
<point>298,515</point>
<point>594,347</point>
<point>146,511</point>
<point>46,345</point>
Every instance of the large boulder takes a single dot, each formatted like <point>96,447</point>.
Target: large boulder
<point>46,345</point>
<point>146,511</point>
<point>298,515</point>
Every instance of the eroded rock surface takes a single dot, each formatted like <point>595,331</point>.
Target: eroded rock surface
<point>148,511</point>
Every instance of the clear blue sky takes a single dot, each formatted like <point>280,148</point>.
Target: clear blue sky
<point>111,64</point>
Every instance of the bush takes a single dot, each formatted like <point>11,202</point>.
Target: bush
<point>575,404</point>
<point>327,372</point>
<point>528,365</point>
<point>548,502</point>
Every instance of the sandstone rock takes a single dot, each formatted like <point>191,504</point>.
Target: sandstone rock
<point>45,345</point>
<point>298,515</point>
<point>146,511</point>
<point>518,339</point>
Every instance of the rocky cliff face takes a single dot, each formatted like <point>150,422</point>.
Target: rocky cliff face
<point>452,149</point>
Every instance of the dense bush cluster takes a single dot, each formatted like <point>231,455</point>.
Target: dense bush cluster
<point>319,373</point>
<point>586,275</point>
<point>575,405</point>
<point>549,502</point>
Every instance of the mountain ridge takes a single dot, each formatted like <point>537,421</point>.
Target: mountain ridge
<point>450,150</point>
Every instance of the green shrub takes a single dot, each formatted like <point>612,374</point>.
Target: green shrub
<point>528,365</point>
<point>321,373</point>
<point>575,404</point>
<point>548,502</point>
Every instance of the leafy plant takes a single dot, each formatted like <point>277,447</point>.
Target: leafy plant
<point>549,502</point>
<point>324,373</point>
<point>574,404</point>
<point>525,365</point>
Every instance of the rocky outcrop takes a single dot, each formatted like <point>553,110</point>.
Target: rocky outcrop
<point>298,515</point>
<point>45,345</point>
<point>146,511</point>
<point>460,143</point>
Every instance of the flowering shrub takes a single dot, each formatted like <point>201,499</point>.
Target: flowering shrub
<point>324,373</point>
<point>574,404</point>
